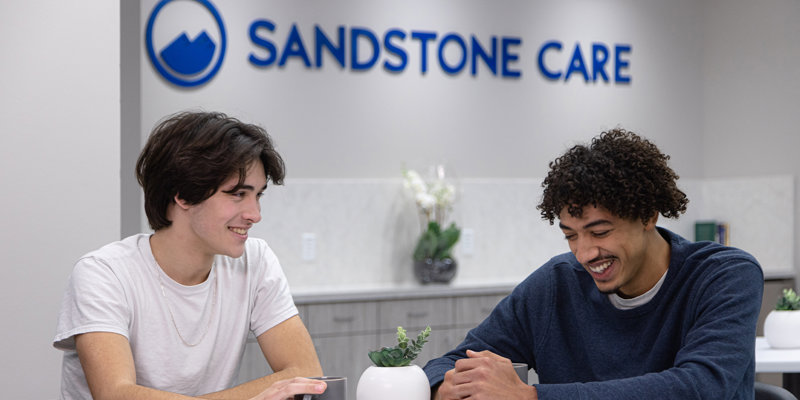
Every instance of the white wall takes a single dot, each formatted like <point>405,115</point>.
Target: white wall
<point>751,122</point>
<point>59,169</point>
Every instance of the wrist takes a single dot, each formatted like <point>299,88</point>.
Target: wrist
<point>435,392</point>
<point>532,394</point>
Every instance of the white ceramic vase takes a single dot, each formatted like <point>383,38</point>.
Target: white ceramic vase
<point>393,383</point>
<point>782,329</point>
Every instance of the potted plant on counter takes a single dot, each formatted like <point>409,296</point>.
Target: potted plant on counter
<point>393,377</point>
<point>433,258</point>
<point>783,323</point>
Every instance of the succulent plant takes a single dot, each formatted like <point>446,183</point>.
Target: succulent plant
<point>402,354</point>
<point>788,301</point>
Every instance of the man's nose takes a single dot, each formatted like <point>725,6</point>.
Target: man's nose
<point>585,250</point>
<point>253,211</point>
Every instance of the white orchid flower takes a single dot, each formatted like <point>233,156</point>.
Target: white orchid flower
<point>425,201</point>
<point>414,182</point>
<point>444,193</point>
<point>447,195</point>
<point>434,198</point>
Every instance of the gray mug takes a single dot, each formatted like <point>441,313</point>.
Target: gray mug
<point>336,390</point>
<point>522,371</point>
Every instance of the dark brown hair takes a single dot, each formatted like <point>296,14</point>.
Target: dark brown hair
<point>621,172</point>
<point>190,154</point>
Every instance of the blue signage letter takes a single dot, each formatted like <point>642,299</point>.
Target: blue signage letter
<point>397,51</point>
<point>599,58</point>
<point>546,72</point>
<point>320,40</point>
<point>619,63</point>
<point>294,48</point>
<point>576,64</point>
<point>423,38</point>
<point>509,57</point>
<point>266,44</point>
<point>489,59</point>
<point>463,46</point>
<point>355,33</point>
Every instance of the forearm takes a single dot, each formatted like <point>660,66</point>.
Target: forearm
<point>674,383</point>
<point>135,392</point>
<point>107,363</point>
<point>288,348</point>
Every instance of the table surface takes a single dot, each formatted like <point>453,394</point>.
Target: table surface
<point>776,360</point>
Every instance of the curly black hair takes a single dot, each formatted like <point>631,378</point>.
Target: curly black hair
<point>621,172</point>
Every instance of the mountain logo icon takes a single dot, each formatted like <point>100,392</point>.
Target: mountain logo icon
<point>181,59</point>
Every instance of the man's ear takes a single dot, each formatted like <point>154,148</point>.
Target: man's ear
<point>181,202</point>
<point>651,223</point>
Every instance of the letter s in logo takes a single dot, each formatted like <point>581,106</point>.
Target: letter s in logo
<point>184,61</point>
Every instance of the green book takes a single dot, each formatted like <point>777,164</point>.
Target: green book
<point>705,230</point>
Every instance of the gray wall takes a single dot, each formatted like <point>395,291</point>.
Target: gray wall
<point>336,123</point>
<point>59,169</point>
<point>751,123</point>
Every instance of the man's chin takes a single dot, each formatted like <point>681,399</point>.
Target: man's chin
<point>606,289</point>
<point>235,252</point>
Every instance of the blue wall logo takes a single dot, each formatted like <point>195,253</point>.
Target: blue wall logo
<point>186,44</point>
<point>186,59</point>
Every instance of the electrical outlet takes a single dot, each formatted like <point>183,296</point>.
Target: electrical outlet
<point>468,241</point>
<point>309,246</point>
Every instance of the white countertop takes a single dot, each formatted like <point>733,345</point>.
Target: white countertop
<point>394,291</point>
<point>776,360</point>
<point>342,293</point>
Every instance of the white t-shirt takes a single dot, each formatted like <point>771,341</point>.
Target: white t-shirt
<point>121,289</point>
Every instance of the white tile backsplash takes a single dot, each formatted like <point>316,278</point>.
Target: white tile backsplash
<point>760,212</point>
<point>366,229</point>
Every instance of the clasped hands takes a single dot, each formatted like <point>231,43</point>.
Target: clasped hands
<point>484,376</point>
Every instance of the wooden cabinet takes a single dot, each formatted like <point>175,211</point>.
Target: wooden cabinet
<point>345,355</point>
<point>346,318</point>
<point>342,334</point>
<point>471,310</point>
<point>345,327</point>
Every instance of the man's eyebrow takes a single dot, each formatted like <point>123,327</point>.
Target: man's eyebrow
<point>245,187</point>
<point>587,226</point>
<point>598,222</point>
<point>251,187</point>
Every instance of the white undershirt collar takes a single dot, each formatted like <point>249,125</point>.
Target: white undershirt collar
<point>627,304</point>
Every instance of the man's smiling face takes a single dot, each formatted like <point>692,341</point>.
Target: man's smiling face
<point>613,250</point>
<point>219,224</point>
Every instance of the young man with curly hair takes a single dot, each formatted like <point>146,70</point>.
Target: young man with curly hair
<point>167,315</point>
<point>633,311</point>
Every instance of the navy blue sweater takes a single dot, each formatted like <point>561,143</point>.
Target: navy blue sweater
<point>694,340</point>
